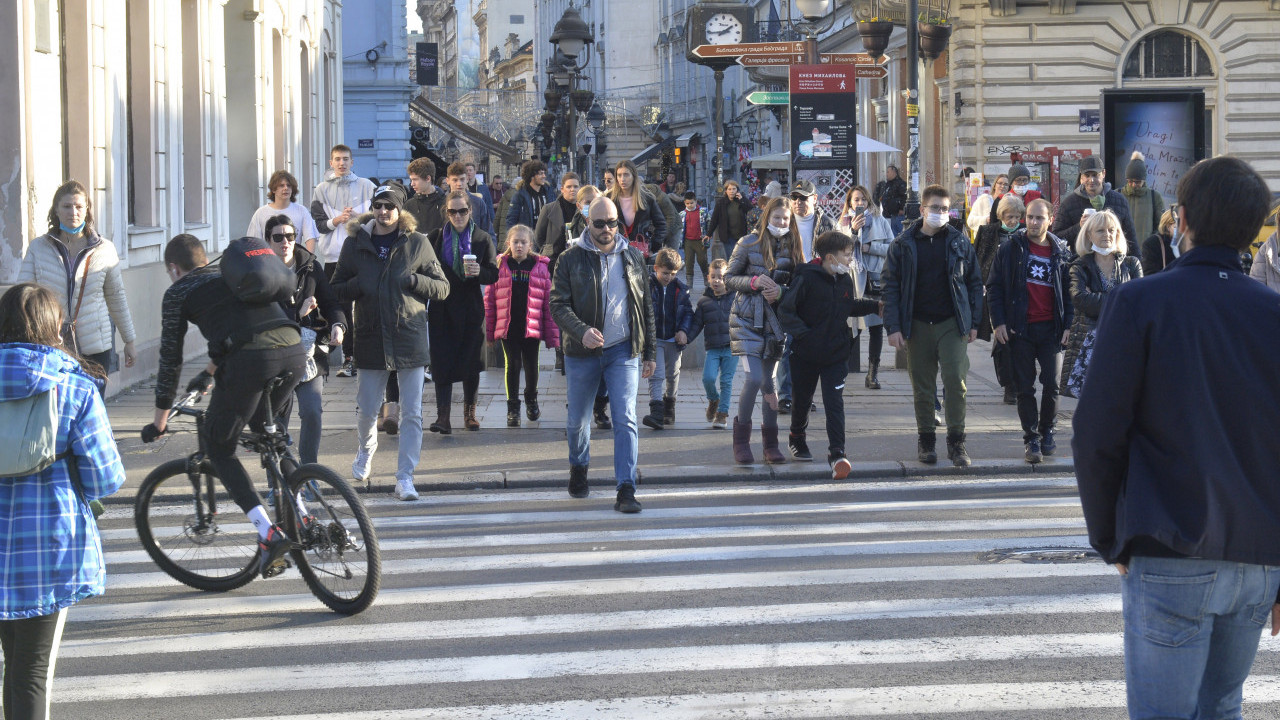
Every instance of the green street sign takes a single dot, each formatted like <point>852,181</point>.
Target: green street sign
<point>761,97</point>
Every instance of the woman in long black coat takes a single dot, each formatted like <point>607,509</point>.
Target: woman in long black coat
<point>456,325</point>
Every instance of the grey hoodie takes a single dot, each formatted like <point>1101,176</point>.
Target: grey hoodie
<point>613,289</point>
<point>331,196</point>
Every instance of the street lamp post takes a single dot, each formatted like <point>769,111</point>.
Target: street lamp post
<point>814,11</point>
<point>570,37</point>
<point>595,120</point>
<point>912,209</point>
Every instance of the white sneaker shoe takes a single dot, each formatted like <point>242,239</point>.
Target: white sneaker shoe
<point>405,490</point>
<point>360,466</point>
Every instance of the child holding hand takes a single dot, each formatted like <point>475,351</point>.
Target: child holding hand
<point>672,320</point>
<point>712,315</point>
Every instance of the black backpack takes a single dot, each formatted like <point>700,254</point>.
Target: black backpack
<point>261,281</point>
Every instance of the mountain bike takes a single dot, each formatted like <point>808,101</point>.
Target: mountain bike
<point>177,514</point>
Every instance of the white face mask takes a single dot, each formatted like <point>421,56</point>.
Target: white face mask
<point>1103,251</point>
<point>840,268</point>
<point>778,231</point>
<point>936,220</point>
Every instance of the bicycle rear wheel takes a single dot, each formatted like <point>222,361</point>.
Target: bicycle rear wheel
<point>337,548</point>
<point>188,540</point>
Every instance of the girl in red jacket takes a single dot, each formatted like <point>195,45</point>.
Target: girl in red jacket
<point>517,311</point>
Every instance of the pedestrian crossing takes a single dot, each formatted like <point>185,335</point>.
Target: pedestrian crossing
<point>870,599</point>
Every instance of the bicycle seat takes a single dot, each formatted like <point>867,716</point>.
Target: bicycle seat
<point>284,377</point>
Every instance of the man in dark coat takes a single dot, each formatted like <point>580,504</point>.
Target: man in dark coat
<point>530,196</point>
<point>891,196</point>
<point>426,205</point>
<point>1093,194</point>
<point>390,271</point>
<point>1176,456</point>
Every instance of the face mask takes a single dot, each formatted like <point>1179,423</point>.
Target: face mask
<point>1008,228</point>
<point>72,230</point>
<point>840,269</point>
<point>1103,251</point>
<point>936,220</point>
<point>776,231</point>
<point>1019,190</point>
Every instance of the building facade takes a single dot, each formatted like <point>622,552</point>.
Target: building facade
<point>376,87</point>
<point>172,114</point>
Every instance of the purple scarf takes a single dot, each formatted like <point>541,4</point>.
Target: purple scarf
<point>456,245</point>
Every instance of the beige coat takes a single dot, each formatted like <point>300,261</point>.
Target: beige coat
<point>104,294</point>
<point>1266,264</point>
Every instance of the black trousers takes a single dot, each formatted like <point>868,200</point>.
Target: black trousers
<point>1040,345</point>
<point>1000,360</point>
<point>875,343</point>
<point>805,377</point>
<point>393,387</point>
<point>521,354</point>
<point>237,398</point>
<point>349,338</point>
<point>444,392</point>
<point>30,650</point>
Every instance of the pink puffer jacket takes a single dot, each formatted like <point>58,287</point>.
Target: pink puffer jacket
<point>497,304</point>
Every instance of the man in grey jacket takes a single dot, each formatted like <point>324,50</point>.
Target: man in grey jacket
<point>600,300</point>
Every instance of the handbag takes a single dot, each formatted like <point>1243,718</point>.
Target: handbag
<point>69,340</point>
<point>1074,381</point>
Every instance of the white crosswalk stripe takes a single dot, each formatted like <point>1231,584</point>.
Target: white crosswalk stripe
<point>754,601</point>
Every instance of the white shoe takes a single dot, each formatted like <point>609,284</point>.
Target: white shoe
<point>360,466</point>
<point>405,490</point>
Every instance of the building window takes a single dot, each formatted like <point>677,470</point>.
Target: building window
<point>517,19</point>
<point>1167,54</point>
<point>193,154</point>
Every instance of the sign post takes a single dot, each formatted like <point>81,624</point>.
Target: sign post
<point>823,127</point>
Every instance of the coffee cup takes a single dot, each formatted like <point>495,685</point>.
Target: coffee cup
<point>468,262</point>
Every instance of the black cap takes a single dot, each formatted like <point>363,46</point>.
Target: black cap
<point>393,193</point>
<point>1091,163</point>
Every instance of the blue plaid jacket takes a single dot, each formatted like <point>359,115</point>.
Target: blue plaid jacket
<point>50,550</point>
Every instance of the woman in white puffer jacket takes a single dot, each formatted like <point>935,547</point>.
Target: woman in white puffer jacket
<point>73,261</point>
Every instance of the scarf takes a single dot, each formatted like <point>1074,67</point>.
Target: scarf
<point>456,245</point>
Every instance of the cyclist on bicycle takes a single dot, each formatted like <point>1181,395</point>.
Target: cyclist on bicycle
<point>248,346</point>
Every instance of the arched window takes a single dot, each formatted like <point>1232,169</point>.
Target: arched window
<point>1167,54</point>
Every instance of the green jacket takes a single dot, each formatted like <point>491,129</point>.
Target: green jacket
<point>390,296</point>
<point>577,303</point>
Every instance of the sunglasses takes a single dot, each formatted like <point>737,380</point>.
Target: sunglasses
<point>383,206</point>
<point>602,224</point>
<point>799,198</point>
<point>458,212</point>
<point>283,237</point>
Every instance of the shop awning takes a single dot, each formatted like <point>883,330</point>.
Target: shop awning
<point>688,139</point>
<point>438,116</point>
<point>652,151</point>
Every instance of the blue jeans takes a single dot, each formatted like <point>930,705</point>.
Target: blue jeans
<point>309,411</point>
<point>720,365</point>
<point>371,387</point>
<point>1191,630</point>
<point>620,372</point>
<point>784,371</point>
<point>895,222</point>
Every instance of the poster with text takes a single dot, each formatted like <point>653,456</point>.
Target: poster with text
<point>1167,127</point>
<point>823,123</point>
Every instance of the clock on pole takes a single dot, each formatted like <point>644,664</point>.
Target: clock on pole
<point>719,23</point>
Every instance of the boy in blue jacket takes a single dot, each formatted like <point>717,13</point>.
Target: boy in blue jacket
<point>672,321</point>
<point>712,315</point>
<point>815,311</point>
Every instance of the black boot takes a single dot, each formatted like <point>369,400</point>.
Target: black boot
<point>668,411</point>
<point>956,452</point>
<point>443,408</point>
<point>578,487</point>
<point>626,502</point>
<point>654,418</point>
<point>513,413</point>
<point>601,414</point>
<point>926,448</point>
<point>532,411</point>
<point>873,376</point>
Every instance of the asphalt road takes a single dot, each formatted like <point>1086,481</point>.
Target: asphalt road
<point>889,599</point>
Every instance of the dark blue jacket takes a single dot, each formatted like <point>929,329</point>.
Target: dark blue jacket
<point>521,211</point>
<point>712,315</point>
<point>964,280</point>
<point>1175,432</point>
<point>1007,287</point>
<point>672,311</point>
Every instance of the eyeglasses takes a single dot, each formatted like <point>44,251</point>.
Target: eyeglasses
<point>458,212</point>
<point>800,198</point>
<point>601,224</point>
<point>283,237</point>
<point>383,206</point>
<point>937,208</point>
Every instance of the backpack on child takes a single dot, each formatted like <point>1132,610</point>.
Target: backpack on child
<point>29,428</point>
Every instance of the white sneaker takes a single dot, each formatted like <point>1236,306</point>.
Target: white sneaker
<point>360,466</point>
<point>405,490</point>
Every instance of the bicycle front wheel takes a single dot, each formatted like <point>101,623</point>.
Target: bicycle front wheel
<point>337,548</point>
<point>181,525</point>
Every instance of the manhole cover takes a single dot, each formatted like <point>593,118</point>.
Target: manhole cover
<point>1041,555</point>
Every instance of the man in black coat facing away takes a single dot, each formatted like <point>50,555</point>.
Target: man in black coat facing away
<point>1176,455</point>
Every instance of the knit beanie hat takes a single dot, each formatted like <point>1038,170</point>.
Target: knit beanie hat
<point>1018,171</point>
<point>1137,169</point>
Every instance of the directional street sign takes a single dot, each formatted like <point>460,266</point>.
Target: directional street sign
<point>761,97</point>
<point>871,71</point>
<point>764,60</point>
<point>737,49</point>
<point>851,59</point>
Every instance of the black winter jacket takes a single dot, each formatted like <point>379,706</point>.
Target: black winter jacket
<point>712,315</point>
<point>899,280</point>
<point>312,282</point>
<point>1087,300</point>
<point>672,311</point>
<point>815,310</point>
<point>718,225</point>
<point>1066,224</point>
<point>1174,434</point>
<point>891,196</point>
<point>577,303</point>
<point>649,222</point>
<point>1007,288</point>
<point>520,211</point>
<point>427,210</point>
<point>390,296</point>
<point>456,324</point>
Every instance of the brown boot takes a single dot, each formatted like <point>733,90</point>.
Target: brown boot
<point>769,437</point>
<point>469,416</point>
<point>712,405</point>
<point>742,443</point>
<point>390,422</point>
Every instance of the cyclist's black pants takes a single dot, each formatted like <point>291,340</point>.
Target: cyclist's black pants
<point>237,398</point>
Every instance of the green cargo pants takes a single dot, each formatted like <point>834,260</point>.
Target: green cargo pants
<point>932,346</point>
